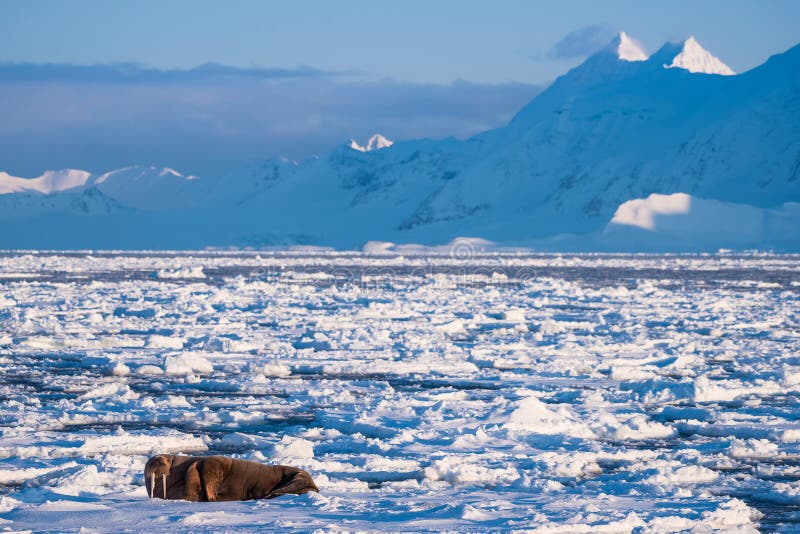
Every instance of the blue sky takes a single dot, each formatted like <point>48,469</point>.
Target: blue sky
<point>411,40</point>
<point>318,72</point>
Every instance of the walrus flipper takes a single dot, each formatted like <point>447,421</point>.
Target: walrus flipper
<point>192,489</point>
<point>299,484</point>
<point>213,471</point>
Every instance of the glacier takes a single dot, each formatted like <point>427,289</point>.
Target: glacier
<point>683,222</point>
<point>621,126</point>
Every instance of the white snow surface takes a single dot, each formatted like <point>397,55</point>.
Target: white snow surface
<point>430,391</point>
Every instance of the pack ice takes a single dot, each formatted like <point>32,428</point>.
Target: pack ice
<point>422,391</point>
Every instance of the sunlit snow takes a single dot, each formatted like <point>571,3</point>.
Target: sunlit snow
<point>376,142</point>
<point>694,58</point>
<point>629,49</point>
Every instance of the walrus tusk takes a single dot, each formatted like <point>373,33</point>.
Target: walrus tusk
<point>152,485</point>
<point>164,483</point>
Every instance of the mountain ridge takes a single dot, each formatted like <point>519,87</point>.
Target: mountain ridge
<point>607,132</point>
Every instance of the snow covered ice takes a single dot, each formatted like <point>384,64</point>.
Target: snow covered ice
<point>475,392</point>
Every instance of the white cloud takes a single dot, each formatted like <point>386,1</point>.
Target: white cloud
<point>581,42</point>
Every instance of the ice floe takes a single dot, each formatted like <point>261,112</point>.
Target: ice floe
<point>422,390</point>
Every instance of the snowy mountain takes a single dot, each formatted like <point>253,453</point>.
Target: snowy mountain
<point>146,188</point>
<point>376,142</point>
<point>695,58</point>
<point>620,126</point>
<point>627,49</point>
<point>49,182</point>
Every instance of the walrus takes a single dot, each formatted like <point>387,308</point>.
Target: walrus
<point>218,478</point>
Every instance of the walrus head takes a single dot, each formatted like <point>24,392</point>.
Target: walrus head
<point>158,466</point>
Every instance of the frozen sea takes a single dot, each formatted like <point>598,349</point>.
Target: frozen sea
<point>463,392</point>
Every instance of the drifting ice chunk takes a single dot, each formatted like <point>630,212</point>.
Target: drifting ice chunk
<point>273,368</point>
<point>149,370</point>
<point>455,470</point>
<point>113,391</point>
<point>514,315</point>
<point>181,272</point>
<point>164,342</point>
<point>290,447</point>
<point>187,363</point>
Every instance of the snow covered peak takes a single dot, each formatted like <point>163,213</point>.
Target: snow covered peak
<point>694,58</point>
<point>376,142</point>
<point>139,173</point>
<point>49,182</point>
<point>626,48</point>
<point>148,187</point>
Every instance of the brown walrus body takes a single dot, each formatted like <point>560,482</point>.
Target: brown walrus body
<point>217,478</point>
